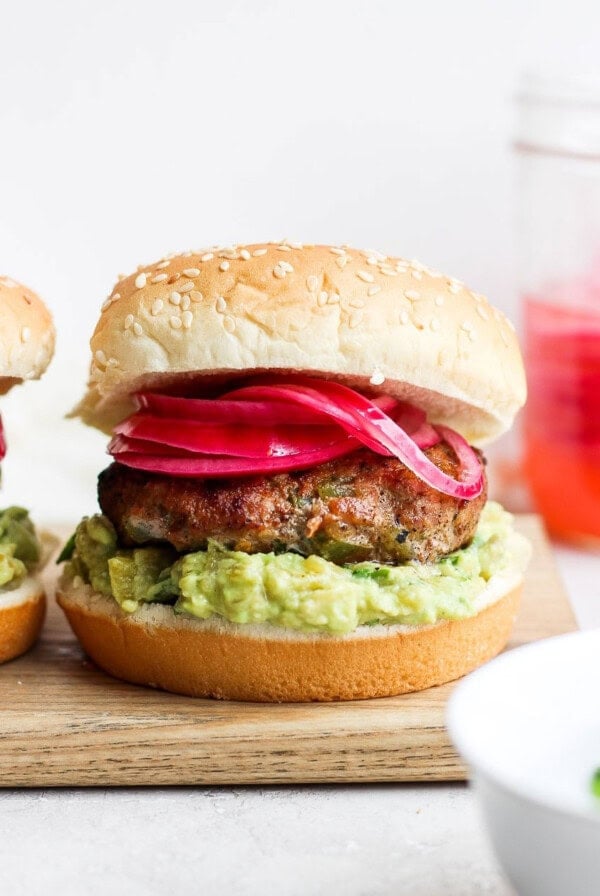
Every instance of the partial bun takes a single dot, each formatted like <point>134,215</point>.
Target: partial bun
<point>27,334</point>
<point>22,614</point>
<point>379,323</point>
<point>215,658</point>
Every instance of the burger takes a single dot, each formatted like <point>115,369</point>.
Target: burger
<point>26,347</point>
<point>296,505</point>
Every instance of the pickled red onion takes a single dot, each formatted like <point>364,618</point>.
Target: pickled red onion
<point>252,430</point>
<point>210,466</point>
<point>371,426</point>
<point>222,439</point>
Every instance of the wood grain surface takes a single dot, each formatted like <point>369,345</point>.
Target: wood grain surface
<point>65,723</point>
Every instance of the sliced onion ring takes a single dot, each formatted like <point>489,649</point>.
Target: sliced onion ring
<point>215,467</point>
<point>371,426</point>
<point>232,440</point>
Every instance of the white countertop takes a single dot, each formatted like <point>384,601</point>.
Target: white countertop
<point>421,840</point>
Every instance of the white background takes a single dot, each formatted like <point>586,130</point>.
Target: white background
<point>130,129</point>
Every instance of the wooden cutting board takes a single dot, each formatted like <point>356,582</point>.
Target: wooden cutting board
<point>65,723</point>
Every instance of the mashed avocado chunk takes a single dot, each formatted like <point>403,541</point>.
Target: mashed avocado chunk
<point>308,594</point>
<point>19,547</point>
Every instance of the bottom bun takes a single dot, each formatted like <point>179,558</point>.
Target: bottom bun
<point>22,614</point>
<point>215,658</point>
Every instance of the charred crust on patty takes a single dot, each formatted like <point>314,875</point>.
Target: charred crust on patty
<point>359,507</point>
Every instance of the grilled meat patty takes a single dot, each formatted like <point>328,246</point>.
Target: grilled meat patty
<point>359,507</point>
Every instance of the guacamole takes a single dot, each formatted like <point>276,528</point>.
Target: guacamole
<point>308,594</point>
<point>19,546</point>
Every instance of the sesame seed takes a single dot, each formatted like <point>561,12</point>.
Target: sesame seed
<point>157,307</point>
<point>175,322</point>
<point>100,356</point>
<point>286,266</point>
<point>312,283</point>
<point>472,335</point>
<point>224,266</point>
<point>140,281</point>
<point>373,290</point>
<point>196,296</point>
<point>186,287</point>
<point>417,275</point>
<point>229,323</point>
<point>322,299</point>
<point>244,254</point>
<point>191,272</point>
<point>377,378</point>
<point>115,296</point>
<point>208,256</point>
<point>128,321</point>
<point>221,304</point>
<point>342,261</point>
<point>284,248</point>
<point>357,303</point>
<point>279,272</point>
<point>454,288</point>
<point>371,260</point>
<point>175,298</point>
<point>335,250</point>
<point>159,278</point>
<point>366,276</point>
<point>389,272</point>
<point>231,252</point>
<point>137,329</point>
<point>258,252</point>
<point>404,317</point>
<point>106,304</point>
<point>367,253</point>
<point>439,301</point>
<point>333,298</point>
<point>186,318</point>
<point>296,245</point>
<point>412,294</point>
<point>355,319</point>
<point>163,264</point>
<point>482,312</point>
<point>185,302</point>
<point>112,362</point>
<point>434,324</point>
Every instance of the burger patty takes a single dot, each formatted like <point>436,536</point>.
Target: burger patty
<point>359,507</point>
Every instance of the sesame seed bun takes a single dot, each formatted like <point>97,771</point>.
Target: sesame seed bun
<point>22,612</point>
<point>27,334</point>
<point>375,322</point>
<point>215,658</point>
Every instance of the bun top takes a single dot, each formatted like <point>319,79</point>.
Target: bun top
<point>378,323</point>
<point>27,334</point>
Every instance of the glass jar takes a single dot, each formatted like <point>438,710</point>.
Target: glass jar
<point>558,151</point>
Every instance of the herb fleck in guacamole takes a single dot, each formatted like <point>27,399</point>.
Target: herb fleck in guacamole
<point>309,594</point>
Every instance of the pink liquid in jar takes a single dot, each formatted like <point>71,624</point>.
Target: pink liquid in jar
<point>562,415</point>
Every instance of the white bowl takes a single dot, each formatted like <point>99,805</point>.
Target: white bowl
<point>528,725</point>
